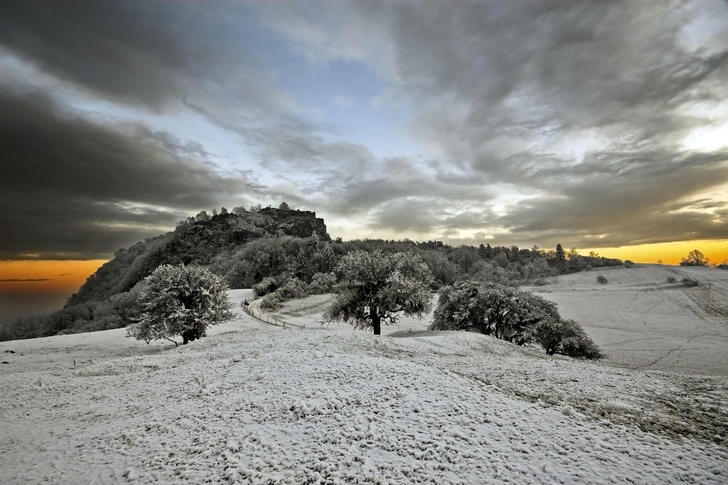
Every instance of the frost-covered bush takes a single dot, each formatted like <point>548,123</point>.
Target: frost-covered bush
<point>671,279</point>
<point>509,314</point>
<point>268,285</point>
<point>180,300</point>
<point>628,264</point>
<point>292,289</point>
<point>576,343</point>
<point>565,337</point>
<point>690,282</point>
<point>505,312</point>
<point>602,280</point>
<point>321,283</point>
<point>271,301</point>
<point>461,307</point>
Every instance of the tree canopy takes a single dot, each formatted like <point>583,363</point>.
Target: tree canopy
<point>381,288</point>
<point>694,258</point>
<point>180,300</point>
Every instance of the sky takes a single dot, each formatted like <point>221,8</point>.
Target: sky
<point>598,125</point>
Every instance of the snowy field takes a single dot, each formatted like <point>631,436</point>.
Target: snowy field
<point>255,403</point>
<point>642,322</point>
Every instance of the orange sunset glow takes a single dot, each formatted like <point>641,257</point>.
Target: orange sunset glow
<point>668,253</point>
<point>45,276</point>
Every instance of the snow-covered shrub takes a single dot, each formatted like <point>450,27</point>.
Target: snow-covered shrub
<point>690,282</point>
<point>271,301</point>
<point>576,343</point>
<point>565,337</point>
<point>671,279</point>
<point>602,280</point>
<point>292,289</point>
<point>509,314</point>
<point>628,264</point>
<point>505,312</point>
<point>321,283</point>
<point>549,335</point>
<point>268,285</point>
<point>460,308</point>
<point>180,300</point>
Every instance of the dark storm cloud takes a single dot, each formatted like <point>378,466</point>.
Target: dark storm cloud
<point>501,92</point>
<point>167,55</point>
<point>532,67</point>
<point>72,188</point>
<point>160,56</point>
<point>504,90</point>
<point>152,54</point>
<point>123,50</point>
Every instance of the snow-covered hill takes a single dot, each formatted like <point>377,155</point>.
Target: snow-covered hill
<point>255,403</point>
<point>643,322</point>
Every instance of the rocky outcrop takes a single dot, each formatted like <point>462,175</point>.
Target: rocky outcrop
<point>296,222</point>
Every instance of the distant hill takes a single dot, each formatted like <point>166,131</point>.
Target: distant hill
<point>194,242</point>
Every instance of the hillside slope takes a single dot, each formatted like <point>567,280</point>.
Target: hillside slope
<point>194,242</point>
<point>253,403</point>
<point>643,322</point>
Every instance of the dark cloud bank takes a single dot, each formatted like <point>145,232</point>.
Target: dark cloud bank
<point>502,90</point>
<point>77,189</point>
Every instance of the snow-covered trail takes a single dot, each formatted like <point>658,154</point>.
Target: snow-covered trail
<point>254,403</point>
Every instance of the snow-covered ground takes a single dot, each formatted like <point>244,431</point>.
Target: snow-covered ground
<point>255,403</point>
<point>640,321</point>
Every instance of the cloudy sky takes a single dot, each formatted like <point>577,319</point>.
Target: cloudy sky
<point>593,124</point>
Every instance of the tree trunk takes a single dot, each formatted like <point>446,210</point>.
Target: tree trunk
<point>376,322</point>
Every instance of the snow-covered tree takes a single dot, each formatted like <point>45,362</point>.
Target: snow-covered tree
<point>180,300</point>
<point>382,286</point>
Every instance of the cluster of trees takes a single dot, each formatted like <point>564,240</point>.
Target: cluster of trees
<point>382,287</point>
<point>697,258</point>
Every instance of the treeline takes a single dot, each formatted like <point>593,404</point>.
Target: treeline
<point>285,249</point>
